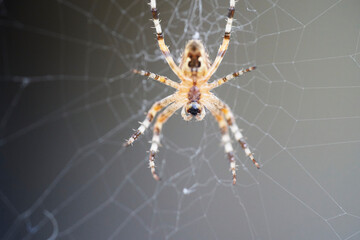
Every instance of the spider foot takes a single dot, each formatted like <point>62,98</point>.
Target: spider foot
<point>233,166</point>
<point>128,142</point>
<point>254,161</point>
<point>156,177</point>
<point>233,171</point>
<point>133,138</point>
<point>135,71</point>
<point>250,69</point>
<point>248,152</point>
<point>152,165</point>
<point>234,180</point>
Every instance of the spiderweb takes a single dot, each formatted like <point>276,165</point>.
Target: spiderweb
<point>69,100</point>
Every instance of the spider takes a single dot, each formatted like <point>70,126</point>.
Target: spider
<point>193,92</point>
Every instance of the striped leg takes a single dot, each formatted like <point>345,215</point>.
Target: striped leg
<point>225,139</point>
<point>223,80</point>
<point>159,78</point>
<point>234,129</point>
<point>225,44</point>
<point>160,38</point>
<point>163,117</point>
<point>149,117</point>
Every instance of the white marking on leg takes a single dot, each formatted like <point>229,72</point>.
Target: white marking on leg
<point>232,166</point>
<point>228,147</point>
<point>234,128</point>
<point>155,143</point>
<point>157,25</point>
<point>131,140</point>
<point>228,25</point>
<point>156,139</point>
<point>142,129</point>
<point>144,125</point>
<point>227,144</point>
<point>151,164</point>
<point>225,138</point>
<point>154,147</point>
<point>236,131</point>
<point>238,135</point>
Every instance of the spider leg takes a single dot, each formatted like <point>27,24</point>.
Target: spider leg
<point>234,128</point>
<point>202,114</point>
<point>160,38</point>
<point>186,117</point>
<point>156,107</point>
<point>163,117</point>
<point>223,80</point>
<point>159,78</point>
<point>225,139</point>
<point>225,44</point>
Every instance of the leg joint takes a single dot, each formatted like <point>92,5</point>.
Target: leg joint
<point>155,14</point>
<point>231,12</point>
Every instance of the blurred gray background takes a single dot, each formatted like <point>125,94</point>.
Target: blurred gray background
<point>68,101</point>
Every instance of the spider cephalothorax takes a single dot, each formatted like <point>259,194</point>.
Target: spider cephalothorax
<point>193,93</point>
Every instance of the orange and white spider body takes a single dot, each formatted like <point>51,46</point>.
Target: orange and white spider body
<point>194,65</point>
<point>193,93</point>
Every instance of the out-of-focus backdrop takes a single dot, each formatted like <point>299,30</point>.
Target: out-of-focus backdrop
<point>68,101</point>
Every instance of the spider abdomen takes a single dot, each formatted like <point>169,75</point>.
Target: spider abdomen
<point>195,62</point>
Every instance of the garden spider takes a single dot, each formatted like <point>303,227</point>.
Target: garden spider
<point>193,92</point>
